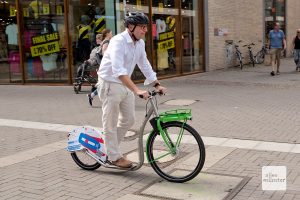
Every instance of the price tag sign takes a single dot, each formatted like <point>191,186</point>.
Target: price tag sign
<point>139,4</point>
<point>59,10</point>
<point>25,12</point>
<point>12,11</point>
<point>46,9</point>
<point>160,7</point>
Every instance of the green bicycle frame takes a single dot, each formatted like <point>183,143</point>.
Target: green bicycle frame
<point>174,115</point>
<point>168,116</point>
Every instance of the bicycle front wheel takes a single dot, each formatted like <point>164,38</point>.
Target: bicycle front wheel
<point>184,160</point>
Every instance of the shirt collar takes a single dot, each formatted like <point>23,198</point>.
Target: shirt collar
<point>127,36</point>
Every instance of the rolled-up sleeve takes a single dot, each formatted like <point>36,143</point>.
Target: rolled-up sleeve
<point>117,56</point>
<point>145,67</point>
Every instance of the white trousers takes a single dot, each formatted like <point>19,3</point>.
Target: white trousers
<point>118,115</point>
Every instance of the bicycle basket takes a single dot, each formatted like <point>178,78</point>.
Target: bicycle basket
<point>176,115</point>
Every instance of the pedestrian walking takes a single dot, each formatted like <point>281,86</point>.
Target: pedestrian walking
<point>277,44</point>
<point>106,35</point>
<point>296,51</point>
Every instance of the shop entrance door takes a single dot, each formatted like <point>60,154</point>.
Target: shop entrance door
<point>192,36</point>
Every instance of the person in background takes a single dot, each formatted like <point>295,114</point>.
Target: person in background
<point>106,35</point>
<point>296,51</point>
<point>277,43</point>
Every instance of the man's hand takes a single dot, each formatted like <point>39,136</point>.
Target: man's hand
<point>143,93</point>
<point>162,90</point>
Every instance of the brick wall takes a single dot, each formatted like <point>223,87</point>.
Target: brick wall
<point>243,20</point>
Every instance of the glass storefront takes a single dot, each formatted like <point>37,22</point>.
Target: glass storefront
<point>192,35</point>
<point>10,63</point>
<point>86,20</point>
<point>274,12</point>
<point>43,41</point>
<point>58,35</point>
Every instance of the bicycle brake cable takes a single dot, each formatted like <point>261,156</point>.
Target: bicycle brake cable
<point>147,108</point>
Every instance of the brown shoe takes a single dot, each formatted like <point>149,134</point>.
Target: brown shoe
<point>122,162</point>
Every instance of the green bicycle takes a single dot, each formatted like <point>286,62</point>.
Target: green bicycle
<point>174,149</point>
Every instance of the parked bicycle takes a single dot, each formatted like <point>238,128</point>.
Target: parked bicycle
<point>260,56</point>
<point>238,54</point>
<point>250,52</point>
<point>172,143</point>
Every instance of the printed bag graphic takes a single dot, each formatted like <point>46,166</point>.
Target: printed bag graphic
<point>87,138</point>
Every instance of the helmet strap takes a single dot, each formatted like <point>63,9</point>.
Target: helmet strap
<point>132,34</point>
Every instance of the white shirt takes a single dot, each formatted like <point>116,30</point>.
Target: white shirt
<point>120,58</point>
<point>12,33</point>
<point>49,62</point>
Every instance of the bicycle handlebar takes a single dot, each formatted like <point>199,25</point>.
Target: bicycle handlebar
<point>152,93</point>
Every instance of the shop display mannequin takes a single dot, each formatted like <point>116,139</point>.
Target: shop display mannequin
<point>83,42</point>
<point>99,24</point>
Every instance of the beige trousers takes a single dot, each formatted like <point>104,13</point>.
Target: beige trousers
<point>118,115</point>
<point>275,59</point>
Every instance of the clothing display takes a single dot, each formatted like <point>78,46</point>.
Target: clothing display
<point>161,27</point>
<point>49,62</point>
<point>162,56</point>
<point>3,47</point>
<point>27,38</point>
<point>12,34</point>
<point>36,7</point>
<point>14,62</point>
<point>99,25</point>
<point>34,67</point>
<point>84,44</point>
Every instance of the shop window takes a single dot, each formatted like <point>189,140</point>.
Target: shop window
<point>274,12</point>
<point>44,41</point>
<point>10,67</point>
<point>86,20</point>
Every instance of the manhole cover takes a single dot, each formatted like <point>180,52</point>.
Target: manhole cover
<point>180,102</point>
<point>205,186</point>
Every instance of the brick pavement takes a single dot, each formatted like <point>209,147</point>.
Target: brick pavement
<point>246,104</point>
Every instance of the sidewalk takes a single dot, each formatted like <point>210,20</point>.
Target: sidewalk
<point>247,119</point>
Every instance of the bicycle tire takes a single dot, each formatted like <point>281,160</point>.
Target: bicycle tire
<point>239,56</point>
<point>260,57</point>
<point>82,164</point>
<point>252,59</point>
<point>158,166</point>
<point>77,88</point>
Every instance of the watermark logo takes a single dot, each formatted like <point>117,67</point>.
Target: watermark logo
<point>273,178</point>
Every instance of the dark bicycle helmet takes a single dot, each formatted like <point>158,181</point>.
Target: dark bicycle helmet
<point>135,18</point>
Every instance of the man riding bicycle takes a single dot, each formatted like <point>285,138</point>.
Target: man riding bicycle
<point>116,89</point>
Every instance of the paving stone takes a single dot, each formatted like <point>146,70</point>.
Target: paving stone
<point>204,186</point>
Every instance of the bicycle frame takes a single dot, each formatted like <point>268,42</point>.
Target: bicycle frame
<point>168,116</point>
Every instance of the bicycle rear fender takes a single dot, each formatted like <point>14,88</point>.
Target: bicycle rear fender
<point>89,138</point>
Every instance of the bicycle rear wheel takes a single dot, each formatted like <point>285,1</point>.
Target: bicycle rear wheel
<point>252,59</point>
<point>83,160</point>
<point>188,159</point>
